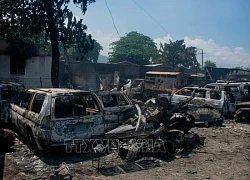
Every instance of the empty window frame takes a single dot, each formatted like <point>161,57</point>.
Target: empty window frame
<point>200,93</point>
<point>215,95</point>
<point>76,105</point>
<point>38,103</point>
<point>17,65</point>
<point>26,100</point>
<point>185,92</point>
<point>114,100</point>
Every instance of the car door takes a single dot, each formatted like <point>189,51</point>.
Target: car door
<point>76,117</point>
<point>230,106</point>
<point>215,99</point>
<point>35,108</point>
<point>13,109</point>
<point>19,111</point>
<point>199,99</point>
<point>118,108</point>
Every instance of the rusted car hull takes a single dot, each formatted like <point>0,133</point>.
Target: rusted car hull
<point>243,111</point>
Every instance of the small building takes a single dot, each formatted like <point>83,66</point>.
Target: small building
<point>89,75</point>
<point>34,72</point>
<point>165,80</point>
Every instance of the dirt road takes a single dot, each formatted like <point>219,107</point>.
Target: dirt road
<point>226,155</point>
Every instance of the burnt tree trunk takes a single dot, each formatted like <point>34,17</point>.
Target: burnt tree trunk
<point>66,56</point>
<point>53,32</point>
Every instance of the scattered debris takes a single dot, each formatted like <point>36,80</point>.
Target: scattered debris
<point>61,173</point>
<point>166,132</point>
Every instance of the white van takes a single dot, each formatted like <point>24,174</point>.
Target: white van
<point>220,100</point>
<point>240,90</point>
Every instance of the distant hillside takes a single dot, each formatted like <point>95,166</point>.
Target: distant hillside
<point>102,59</point>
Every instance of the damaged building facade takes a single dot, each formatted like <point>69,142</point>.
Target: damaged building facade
<point>34,72</point>
<point>89,75</point>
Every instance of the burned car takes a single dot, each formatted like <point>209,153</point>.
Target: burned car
<point>155,130</point>
<point>137,89</point>
<point>240,90</point>
<point>221,100</point>
<point>48,118</point>
<point>8,93</point>
<point>242,111</point>
<point>118,107</point>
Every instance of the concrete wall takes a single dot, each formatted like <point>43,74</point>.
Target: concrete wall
<point>4,66</point>
<point>37,71</point>
<point>86,75</point>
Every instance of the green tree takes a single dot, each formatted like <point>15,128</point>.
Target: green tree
<point>91,56</point>
<point>28,18</point>
<point>134,47</point>
<point>209,63</point>
<point>176,54</point>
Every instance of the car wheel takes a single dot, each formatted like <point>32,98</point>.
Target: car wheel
<point>220,123</point>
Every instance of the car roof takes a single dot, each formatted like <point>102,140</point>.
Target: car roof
<point>104,93</point>
<point>57,91</point>
<point>201,88</point>
<point>230,84</point>
<point>3,83</point>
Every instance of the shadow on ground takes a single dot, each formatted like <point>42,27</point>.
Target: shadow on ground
<point>2,161</point>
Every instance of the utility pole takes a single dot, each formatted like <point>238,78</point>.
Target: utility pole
<point>202,59</point>
<point>202,53</point>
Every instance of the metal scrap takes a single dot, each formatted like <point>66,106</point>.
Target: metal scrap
<point>166,131</point>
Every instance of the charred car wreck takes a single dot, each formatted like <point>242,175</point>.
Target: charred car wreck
<point>207,106</point>
<point>118,107</point>
<point>8,93</point>
<point>47,118</point>
<point>157,124</point>
<point>242,111</point>
<point>50,118</point>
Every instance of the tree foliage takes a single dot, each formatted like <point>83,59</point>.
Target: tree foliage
<point>91,57</point>
<point>24,19</point>
<point>209,63</point>
<point>134,47</point>
<point>176,54</point>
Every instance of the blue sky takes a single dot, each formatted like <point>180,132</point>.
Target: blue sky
<point>220,27</point>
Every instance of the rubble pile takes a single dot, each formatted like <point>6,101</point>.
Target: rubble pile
<point>139,128</point>
<point>61,173</point>
<point>168,131</point>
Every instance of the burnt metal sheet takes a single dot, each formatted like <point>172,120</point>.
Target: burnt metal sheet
<point>243,105</point>
<point>163,73</point>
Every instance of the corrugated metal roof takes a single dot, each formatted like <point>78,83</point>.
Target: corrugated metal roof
<point>163,73</point>
<point>57,90</point>
<point>153,65</point>
<point>198,75</point>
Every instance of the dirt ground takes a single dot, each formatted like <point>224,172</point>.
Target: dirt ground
<point>226,155</point>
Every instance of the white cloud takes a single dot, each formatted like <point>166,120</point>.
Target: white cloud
<point>165,39</point>
<point>104,39</point>
<point>223,56</point>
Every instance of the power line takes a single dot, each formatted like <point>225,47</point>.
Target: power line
<point>153,19</point>
<point>112,18</point>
